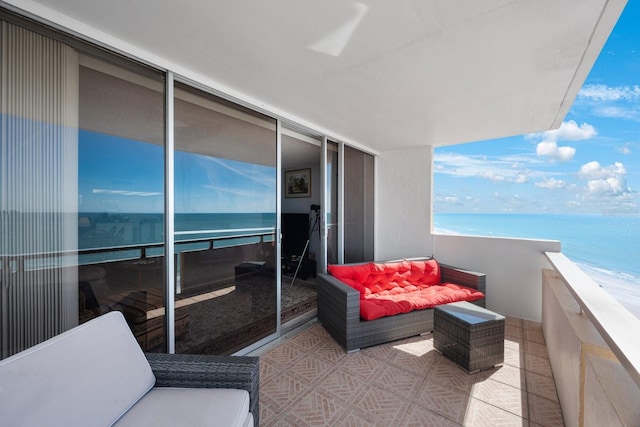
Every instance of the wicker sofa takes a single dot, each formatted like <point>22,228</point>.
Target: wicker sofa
<point>96,375</point>
<point>339,310</point>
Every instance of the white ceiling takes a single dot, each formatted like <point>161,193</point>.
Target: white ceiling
<point>380,74</point>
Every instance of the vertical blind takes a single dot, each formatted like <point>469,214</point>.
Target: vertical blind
<point>38,188</point>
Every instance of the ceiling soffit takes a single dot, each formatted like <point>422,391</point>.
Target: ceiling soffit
<point>382,75</point>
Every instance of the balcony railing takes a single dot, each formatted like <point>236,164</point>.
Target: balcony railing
<point>593,347</point>
<point>46,284</point>
<point>14,263</point>
<point>617,326</point>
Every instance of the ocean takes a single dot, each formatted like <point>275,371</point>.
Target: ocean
<point>102,230</point>
<point>604,246</point>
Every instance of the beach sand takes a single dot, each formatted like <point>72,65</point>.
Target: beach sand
<point>624,288</point>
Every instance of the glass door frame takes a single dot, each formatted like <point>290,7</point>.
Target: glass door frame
<point>169,206</point>
<point>326,201</point>
<point>170,267</point>
<point>169,223</point>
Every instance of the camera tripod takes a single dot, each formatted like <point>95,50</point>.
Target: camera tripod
<point>316,223</point>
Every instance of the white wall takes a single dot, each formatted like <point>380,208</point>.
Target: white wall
<point>513,268</point>
<point>403,203</point>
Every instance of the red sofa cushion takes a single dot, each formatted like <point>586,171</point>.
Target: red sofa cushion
<point>387,304</point>
<point>401,286</point>
<point>401,276</point>
<point>352,275</point>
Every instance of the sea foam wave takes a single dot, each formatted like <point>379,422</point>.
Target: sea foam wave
<point>624,287</point>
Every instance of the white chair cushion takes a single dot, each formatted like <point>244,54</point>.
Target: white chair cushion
<point>89,376</point>
<point>193,407</point>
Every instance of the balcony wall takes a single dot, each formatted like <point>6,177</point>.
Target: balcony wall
<point>590,336</point>
<point>593,349</point>
<point>513,268</point>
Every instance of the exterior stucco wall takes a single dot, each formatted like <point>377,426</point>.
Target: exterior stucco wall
<point>513,268</point>
<point>403,204</point>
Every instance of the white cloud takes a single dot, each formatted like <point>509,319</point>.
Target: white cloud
<point>593,170</point>
<point>570,131</point>
<point>612,185</point>
<point>492,176</point>
<point>261,175</point>
<point>609,180</point>
<point>625,149</point>
<point>551,183</point>
<point>609,93</point>
<point>495,169</point>
<point>590,170</point>
<point>616,112</point>
<point>619,102</point>
<point>126,192</point>
<point>551,150</point>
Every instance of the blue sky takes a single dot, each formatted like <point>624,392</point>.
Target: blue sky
<point>122,175</point>
<point>591,164</point>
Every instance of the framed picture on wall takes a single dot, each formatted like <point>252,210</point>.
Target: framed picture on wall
<point>297,183</point>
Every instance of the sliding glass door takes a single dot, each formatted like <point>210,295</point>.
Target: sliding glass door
<point>225,220</point>
<point>82,203</point>
<point>81,191</point>
<point>121,193</point>
<point>117,195</point>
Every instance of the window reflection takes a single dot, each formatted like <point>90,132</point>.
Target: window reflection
<point>121,198</point>
<point>225,217</point>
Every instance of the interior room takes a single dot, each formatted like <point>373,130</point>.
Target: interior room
<point>300,221</point>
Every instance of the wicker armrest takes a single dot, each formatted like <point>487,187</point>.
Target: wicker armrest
<point>343,299</point>
<point>338,308</point>
<point>471,279</point>
<point>206,371</point>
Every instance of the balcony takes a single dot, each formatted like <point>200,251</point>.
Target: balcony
<point>308,379</point>
<point>570,356</point>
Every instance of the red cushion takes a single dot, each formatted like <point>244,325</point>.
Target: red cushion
<point>352,275</point>
<point>375,306</point>
<point>371,309</point>
<point>399,287</point>
<point>426,273</point>
<point>358,272</point>
<point>386,276</point>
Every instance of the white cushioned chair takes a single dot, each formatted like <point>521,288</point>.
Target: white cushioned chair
<point>96,375</point>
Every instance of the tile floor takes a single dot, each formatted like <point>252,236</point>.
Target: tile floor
<point>309,380</point>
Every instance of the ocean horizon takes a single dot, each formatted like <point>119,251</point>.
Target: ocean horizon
<point>603,245</point>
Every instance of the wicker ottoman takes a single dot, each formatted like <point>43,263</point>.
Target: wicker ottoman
<point>469,335</point>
